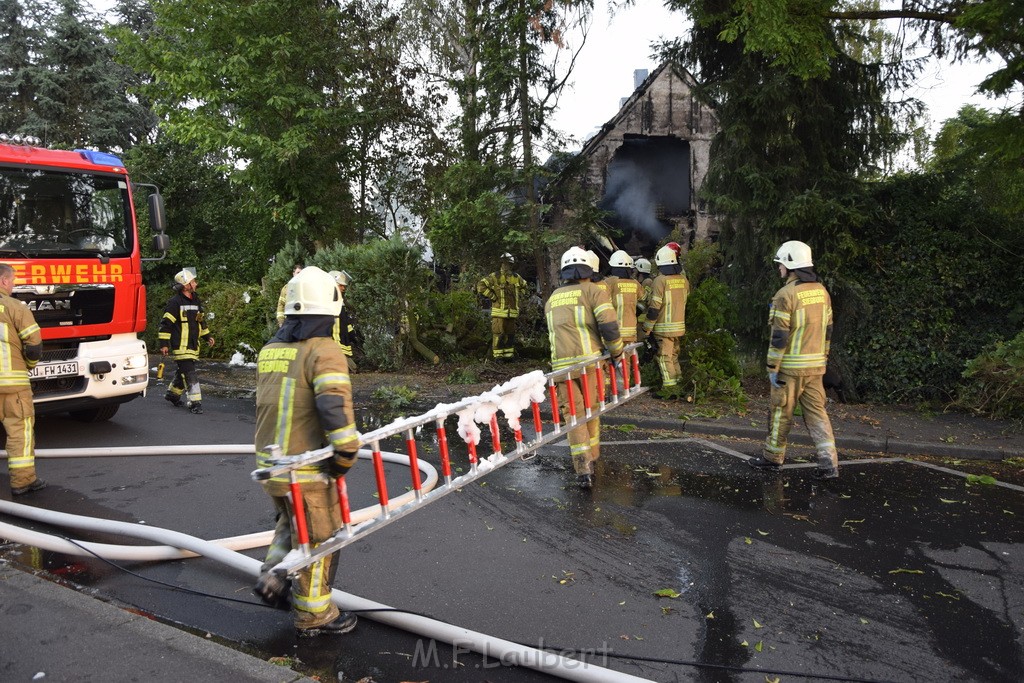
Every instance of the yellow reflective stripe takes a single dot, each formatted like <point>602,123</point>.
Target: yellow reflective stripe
<point>28,331</point>
<point>316,601</point>
<point>5,349</point>
<point>579,449</point>
<point>799,328</point>
<point>322,382</point>
<point>781,315</point>
<point>343,436</point>
<point>566,362</point>
<point>283,430</point>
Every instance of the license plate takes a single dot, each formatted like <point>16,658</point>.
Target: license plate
<point>47,370</point>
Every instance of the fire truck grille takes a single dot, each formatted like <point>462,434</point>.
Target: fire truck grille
<point>71,307</point>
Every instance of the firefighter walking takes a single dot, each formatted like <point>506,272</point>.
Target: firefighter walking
<point>581,323</point>
<point>304,402</point>
<point>800,317</point>
<point>666,316</point>
<point>505,291</point>
<point>182,327</point>
<point>21,347</point>
<point>625,293</point>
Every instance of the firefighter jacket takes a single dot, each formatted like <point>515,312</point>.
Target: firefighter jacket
<point>282,299</point>
<point>505,290</point>
<point>581,324</point>
<point>21,345</point>
<point>304,401</point>
<point>183,325</point>
<point>666,308</point>
<point>800,317</point>
<point>344,330</point>
<point>625,293</point>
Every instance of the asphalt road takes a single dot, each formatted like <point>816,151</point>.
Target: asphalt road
<point>895,573</point>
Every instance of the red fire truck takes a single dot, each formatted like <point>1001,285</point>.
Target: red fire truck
<point>68,228</point>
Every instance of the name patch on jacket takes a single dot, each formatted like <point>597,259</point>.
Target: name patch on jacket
<point>811,297</point>
<point>571,298</point>
<point>275,360</point>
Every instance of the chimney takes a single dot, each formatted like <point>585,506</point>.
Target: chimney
<point>639,76</point>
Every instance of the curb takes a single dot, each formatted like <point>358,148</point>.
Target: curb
<point>887,445</point>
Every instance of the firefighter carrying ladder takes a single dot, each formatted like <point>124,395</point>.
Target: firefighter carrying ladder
<point>510,398</point>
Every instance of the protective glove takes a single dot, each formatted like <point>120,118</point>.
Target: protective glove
<point>773,377</point>
<point>339,464</point>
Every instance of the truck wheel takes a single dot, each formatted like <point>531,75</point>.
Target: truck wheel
<point>101,414</point>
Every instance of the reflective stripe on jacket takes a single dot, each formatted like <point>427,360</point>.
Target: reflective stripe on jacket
<point>625,293</point>
<point>182,326</point>
<point>304,402</point>
<point>581,324</point>
<point>21,344</point>
<point>504,290</point>
<point>666,309</point>
<point>800,317</point>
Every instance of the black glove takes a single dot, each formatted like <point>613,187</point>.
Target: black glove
<point>340,463</point>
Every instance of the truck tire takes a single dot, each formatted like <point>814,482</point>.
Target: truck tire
<point>101,414</point>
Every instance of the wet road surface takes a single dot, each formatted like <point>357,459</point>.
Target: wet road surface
<point>896,572</point>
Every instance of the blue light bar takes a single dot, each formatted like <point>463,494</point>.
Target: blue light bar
<point>100,158</point>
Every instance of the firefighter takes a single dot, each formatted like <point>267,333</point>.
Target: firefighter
<point>643,272</point>
<point>625,293</point>
<point>800,317</point>
<point>505,289</point>
<point>181,328</point>
<point>344,329</point>
<point>666,316</point>
<point>283,296</point>
<point>304,402</point>
<point>581,320</point>
<point>21,347</point>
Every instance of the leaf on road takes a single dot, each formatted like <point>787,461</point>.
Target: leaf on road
<point>986,479</point>
<point>745,644</point>
<point>710,615</point>
<point>748,540</point>
<point>947,500</point>
<point>757,625</point>
<point>1009,512</point>
<point>667,593</point>
<point>864,621</point>
<point>759,646</point>
<point>947,595</point>
<point>901,570</point>
<point>763,533</point>
<point>668,610</point>
<point>622,603</point>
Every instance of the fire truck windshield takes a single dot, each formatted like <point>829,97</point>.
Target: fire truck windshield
<point>53,214</point>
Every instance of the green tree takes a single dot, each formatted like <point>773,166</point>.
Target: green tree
<point>60,81</point>
<point>288,94</point>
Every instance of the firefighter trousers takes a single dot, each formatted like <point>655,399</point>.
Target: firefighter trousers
<point>585,437</point>
<point>186,377</point>
<point>503,337</point>
<point>311,588</point>
<point>18,415</point>
<point>809,392</point>
<point>668,360</point>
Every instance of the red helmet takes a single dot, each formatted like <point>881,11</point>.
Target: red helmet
<point>674,246</point>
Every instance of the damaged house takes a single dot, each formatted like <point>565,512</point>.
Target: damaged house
<point>647,164</point>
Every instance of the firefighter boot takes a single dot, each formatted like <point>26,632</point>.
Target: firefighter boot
<point>585,481</point>
<point>195,407</point>
<point>173,399</point>
<point>34,485</point>
<point>345,623</point>
<point>274,590</point>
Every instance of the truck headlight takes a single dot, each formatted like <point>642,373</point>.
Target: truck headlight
<point>137,361</point>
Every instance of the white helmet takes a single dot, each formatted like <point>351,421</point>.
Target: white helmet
<point>593,260</point>
<point>341,277</point>
<point>574,256</point>
<point>666,256</point>
<point>620,259</point>
<point>794,255</point>
<point>643,265</point>
<point>184,277</point>
<point>312,292</point>
<point>508,257</point>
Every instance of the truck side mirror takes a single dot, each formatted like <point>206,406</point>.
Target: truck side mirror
<point>157,217</point>
<point>161,242</point>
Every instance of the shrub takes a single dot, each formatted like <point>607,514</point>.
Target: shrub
<point>994,381</point>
